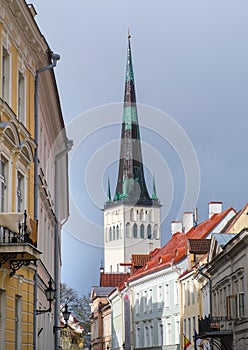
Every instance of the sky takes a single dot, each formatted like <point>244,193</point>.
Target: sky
<point>191,74</point>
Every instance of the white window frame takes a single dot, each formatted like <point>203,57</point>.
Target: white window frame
<point>6,75</point>
<point>21,96</point>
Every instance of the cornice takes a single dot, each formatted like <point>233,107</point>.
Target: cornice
<point>20,25</point>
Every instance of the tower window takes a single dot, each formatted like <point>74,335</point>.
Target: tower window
<point>151,215</point>
<point>114,233</point>
<point>110,234</point>
<point>133,215</point>
<point>156,232</point>
<point>142,215</point>
<point>142,231</point>
<point>117,232</point>
<point>135,231</point>
<point>149,232</point>
<point>128,230</point>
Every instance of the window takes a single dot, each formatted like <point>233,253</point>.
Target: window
<point>142,215</point>
<point>133,214</point>
<point>232,307</point>
<point>117,232</point>
<point>6,76</point>
<point>21,97</point>
<point>3,184</point>
<point>176,293</point>
<point>168,332</point>
<point>189,328</point>
<point>156,232</point>
<point>149,232</point>
<point>177,329</point>
<point>146,334</point>
<point>184,326</point>
<point>110,234</point>
<point>114,233</point>
<point>167,295</point>
<point>160,333</point>
<point>137,304</point>
<point>194,324</point>
<point>18,322</point>
<point>137,335</point>
<point>160,296</point>
<point>151,215</point>
<point>150,301</point>
<point>188,293</point>
<point>145,301</point>
<point>2,318</point>
<point>20,192</point>
<point>241,302</point>
<point>128,230</point>
<point>135,231</point>
<point>142,231</point>
<point>193,291</point>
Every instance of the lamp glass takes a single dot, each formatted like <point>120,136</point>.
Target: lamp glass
<point>66,313</point>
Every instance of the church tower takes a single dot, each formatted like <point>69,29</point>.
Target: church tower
<point>131,217</point>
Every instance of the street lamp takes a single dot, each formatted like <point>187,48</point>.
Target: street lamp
<point>66,316</point>
<point>50,294</point>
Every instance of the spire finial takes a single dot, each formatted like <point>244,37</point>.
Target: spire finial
<point>109,192</point>
<point>128,33</point>
<point>154,191</point>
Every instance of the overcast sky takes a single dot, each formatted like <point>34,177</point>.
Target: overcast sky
<point>191,71</point>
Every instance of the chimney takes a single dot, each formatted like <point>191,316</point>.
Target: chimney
<point>150,247</point>
<point>176,226</point>
<point>188,221</point>
<point>214,208</point>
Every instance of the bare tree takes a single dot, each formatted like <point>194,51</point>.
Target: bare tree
<point>78,306</point>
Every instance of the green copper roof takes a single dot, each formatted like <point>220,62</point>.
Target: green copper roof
<point>131,185</point>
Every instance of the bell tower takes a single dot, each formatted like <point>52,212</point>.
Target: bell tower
<point>131,217</point>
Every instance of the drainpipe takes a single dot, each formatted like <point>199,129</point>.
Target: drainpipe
<point>55,58</point>
<point>58,156</point>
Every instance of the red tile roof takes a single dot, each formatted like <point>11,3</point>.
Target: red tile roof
<point>175,249</point>
<point>198,246</point>
<point>203,229</point>
<point>139,260</point>
<point>112,279</point>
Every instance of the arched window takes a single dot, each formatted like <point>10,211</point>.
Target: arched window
<point>151,215</point>
<point>128,230</point>
<point>106,235</point>
<point>142,215</point>
<point>149,232</point>
<point>117,232</point>
<point>135,231</point>
<point>133,214</point>
<point>110,234</point>
<point>114,233</point>
<point>156,232</point>
<point>142,231</point>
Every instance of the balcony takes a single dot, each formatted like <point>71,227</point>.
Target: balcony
<point>215,327</point>
<point>18,241</point>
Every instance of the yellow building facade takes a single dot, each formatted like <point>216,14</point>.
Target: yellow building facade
<point>27,260</point>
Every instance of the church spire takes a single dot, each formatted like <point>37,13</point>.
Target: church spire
<point>131,185</point>
<point>154,191</point>
<point>109,192</point>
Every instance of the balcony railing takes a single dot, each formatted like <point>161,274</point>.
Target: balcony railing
<point>18,240</point>
<point>215,325</point>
